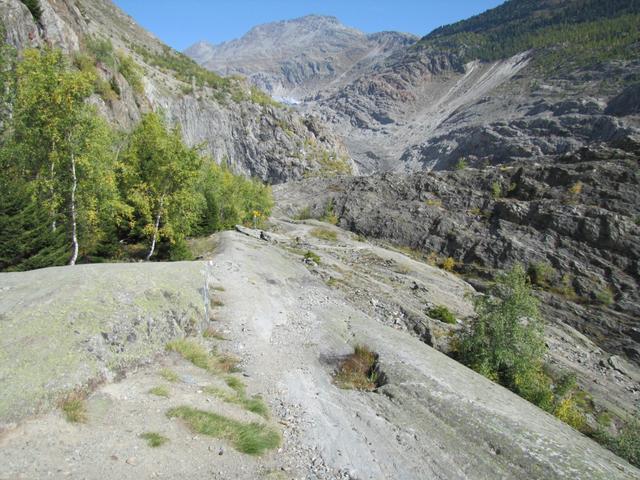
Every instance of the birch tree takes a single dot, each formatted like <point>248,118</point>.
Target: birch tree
<point>61,146</point>
<point>159,173</point>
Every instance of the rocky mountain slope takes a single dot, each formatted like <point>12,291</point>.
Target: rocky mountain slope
<point>429,415</point>
<point>522,80</point>
<point>573,223</point>
<point>238,125</point>
<point>294,59</point>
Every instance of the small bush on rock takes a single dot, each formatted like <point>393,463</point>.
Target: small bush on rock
<point>443,314</point>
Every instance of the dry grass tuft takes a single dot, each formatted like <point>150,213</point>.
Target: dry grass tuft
<point>358,370</point>
<point>74,408</point>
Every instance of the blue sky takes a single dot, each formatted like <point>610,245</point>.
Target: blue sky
<point>182,23</point>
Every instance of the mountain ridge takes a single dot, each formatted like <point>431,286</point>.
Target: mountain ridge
<point>298,57</point>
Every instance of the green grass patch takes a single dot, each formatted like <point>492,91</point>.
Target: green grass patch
<point>443,314</point>
<point>239,397</point>
<point>358,371</point>
<point>169,375</point>
<point>198,355</point>
<point>324,234</point>
<point>250,438</point>
<point>313,257</point>
<point>154,439</point>
<point>74,408</point>
<point>160,391</point>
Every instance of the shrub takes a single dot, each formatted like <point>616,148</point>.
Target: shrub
<point>130,71</point>
<point>506,341</point>
<point>605,297</point>
<point>310,256</point>
<point>74,408</point>
<point>626,444</point>
<point>496,190</point>
<point>566,287</point>
<point>443,314</point>
<point>304,214</point>
<point>448,264</point>
<point>575,189</point>
<point>329,215</point>
<point>541,274</point>
<point>102,51</point>
<point>461,164</point>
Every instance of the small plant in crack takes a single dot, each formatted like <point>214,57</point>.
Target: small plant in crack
<point>359,370</point>
<point>74,408</point>
<point>160,391</point>
<point>169,375</point>
<point>211,332</point>
<point>154,439</point>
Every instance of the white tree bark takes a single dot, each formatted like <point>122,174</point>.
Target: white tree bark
<point>53,212</point>
<point>155,230</point>
<point>74,223</point>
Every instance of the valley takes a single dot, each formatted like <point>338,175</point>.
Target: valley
<point>314,252</point>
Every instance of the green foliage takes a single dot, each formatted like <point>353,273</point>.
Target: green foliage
<point>74,408</point>
<point>239,397</point>
<point>251,438</point>
<point>261,98</point>
<point>571,34</point>
<point>605,297</point>
<point>130,189</point>
<point>196,354</point>
<point>160,391</point>
<point>227,200</point>
<point>169,375</point>
<point>304,214</point>
<point>324,234</point>
<point>541,274</point>
<point>506,341</point>
<point>34,8</point>
<point>461,164</point>
<point>329,215</point>
<point>312,257</point>
<point>154,439</point>
<point>496,190</point>
<point>159,174</point>
<point>102,50</point>
<point>130,71</point>
<point>443,314</point>
<point>626,444</point>
<point>184,68</point>
<point>53,131</point>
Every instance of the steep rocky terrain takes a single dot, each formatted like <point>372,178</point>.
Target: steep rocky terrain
<point>295,59</point>
<point>490,89</point>
<point>430,416</point>
<point>238,126</point>
<point>577,220</point>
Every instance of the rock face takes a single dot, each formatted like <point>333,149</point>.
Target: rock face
<point>294,59</point>
<point>439,418</point>
<point>69,328</point>
<point>409,108</point>
<point>578,215</point>
<point>254,136</point>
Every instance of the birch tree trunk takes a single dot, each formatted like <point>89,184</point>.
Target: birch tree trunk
<point>155,230</point>
<point>74,223</point>
<point>53,211</point>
